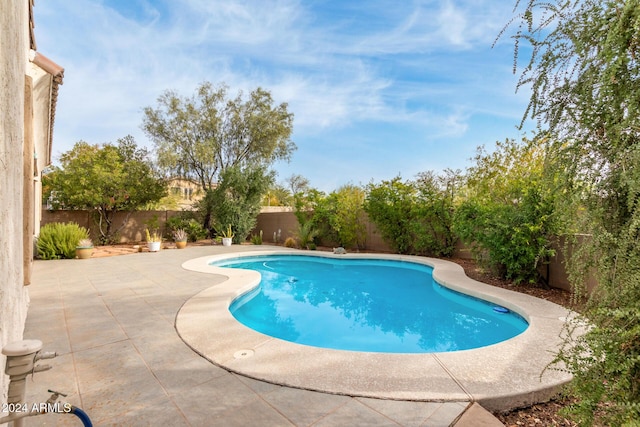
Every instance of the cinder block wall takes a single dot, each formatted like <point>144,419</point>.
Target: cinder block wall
<point>286,224</point>
<point>133,230</point>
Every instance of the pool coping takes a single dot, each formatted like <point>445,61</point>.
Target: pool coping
<point>503,376</point>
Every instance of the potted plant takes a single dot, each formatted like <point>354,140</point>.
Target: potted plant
<point>84,249</point>
<point>180,237</point>
<point>227,236</point>
<point>154,240</point>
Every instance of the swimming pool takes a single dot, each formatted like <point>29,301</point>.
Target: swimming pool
<point>502,376</point>
<point>365,305</point>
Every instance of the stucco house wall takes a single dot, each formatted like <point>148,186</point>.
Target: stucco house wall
<point>14,49</point>
<point>28,91</point>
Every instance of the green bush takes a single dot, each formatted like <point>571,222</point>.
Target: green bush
<point>348,216</point>
<point>316,209</point>
<point>415,217</point>
<point>512,238</point>
<point>236,199</point>
<point>185,221</point>
<point>305,234</point>
<point>59,240</point>
<point>256,239</point>
<point>508,213</point>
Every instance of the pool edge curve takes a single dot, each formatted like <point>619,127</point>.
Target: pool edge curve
<point>501,376</point>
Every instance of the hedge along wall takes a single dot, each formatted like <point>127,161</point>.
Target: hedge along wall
<point>268,222</point>
<point>287,223</point>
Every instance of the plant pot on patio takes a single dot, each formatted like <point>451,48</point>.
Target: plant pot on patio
<point>180,236</point>
<point>84,250</point>
<point>226,235</point>
<point>154,240</point>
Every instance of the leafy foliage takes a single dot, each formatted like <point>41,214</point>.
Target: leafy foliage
<point>388,205</point>
<point>348,216</point>
<point>305,234</point>
<point>338,219</point>
<point>277,195</point>
<point>59,240</point>
<point>236,200</point>
<point>507,215</point>
<point>188,222</point>
<point>256,239</point>
<point>314,207</point>
<point>585,73</point>
<point>415,217</point>
<point>201,136</point>
<point>105,179</point>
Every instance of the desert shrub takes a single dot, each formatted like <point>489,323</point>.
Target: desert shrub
<point>236,199</point>
<point>513,239</point>
<point>305,234</point>
<point>187,222</point>
<point>315,208</point>
<point>415,217</point>
<point>339,218</point>
<point>348,216</point>
<point>256,239</point>
<point>290,242</point>
<point>387,205</point>
<point>508,214</point>
<point>59,240</point>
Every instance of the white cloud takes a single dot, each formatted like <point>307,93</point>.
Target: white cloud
<point>339,65</point>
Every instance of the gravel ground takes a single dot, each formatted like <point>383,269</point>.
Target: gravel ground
<point>543,414</point>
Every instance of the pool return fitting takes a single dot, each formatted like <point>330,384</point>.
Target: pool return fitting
<point>21,361</point>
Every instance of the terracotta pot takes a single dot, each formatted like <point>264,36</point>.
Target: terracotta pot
<point>84,253</point>
<point>181,245</point>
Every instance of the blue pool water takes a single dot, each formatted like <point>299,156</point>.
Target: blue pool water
<point>365,305</point>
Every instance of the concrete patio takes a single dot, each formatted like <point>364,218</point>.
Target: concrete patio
<point>111,320</point>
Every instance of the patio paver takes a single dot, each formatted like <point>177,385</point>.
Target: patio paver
<point>111,320</point>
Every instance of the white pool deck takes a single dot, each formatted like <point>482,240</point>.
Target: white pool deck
<point>113,321</point>
<point>510,374</point>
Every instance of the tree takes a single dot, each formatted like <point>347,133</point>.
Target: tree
<point>236,200</point>
<point>348,217</point>
<point>415,217</point>
<point>507,215</point>
<point>297,184</point>
<point>584,71</point>
<point>200,137</point>
<point>277,195</point>
<point>105,179</point>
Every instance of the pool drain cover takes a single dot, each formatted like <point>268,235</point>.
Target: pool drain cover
<point>243,354</point>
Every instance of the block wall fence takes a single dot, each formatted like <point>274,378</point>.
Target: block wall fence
<point>284,223</point>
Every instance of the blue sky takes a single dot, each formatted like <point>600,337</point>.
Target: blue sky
<point>379,88</point>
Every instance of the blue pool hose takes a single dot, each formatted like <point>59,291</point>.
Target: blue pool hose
<point>86,421</point>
